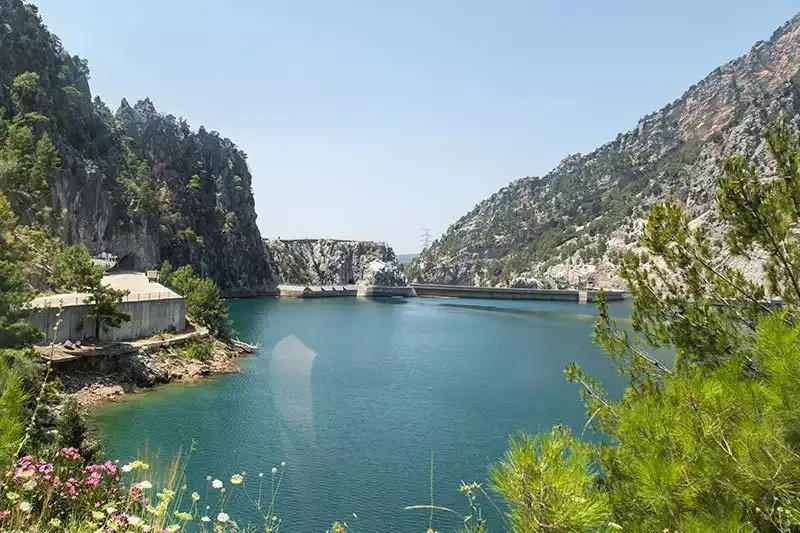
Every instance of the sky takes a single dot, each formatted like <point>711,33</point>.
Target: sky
<point>372,119</point>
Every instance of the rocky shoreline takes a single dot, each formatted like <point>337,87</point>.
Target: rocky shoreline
<point>106,379</point>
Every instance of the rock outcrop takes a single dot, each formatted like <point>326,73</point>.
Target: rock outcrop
<point>335,262</point>
<point>568,227</point>
<point>136,183</point>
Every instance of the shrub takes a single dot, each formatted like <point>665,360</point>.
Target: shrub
<point>200,350</point>
<point>203,298</point>
<point>74,431</point>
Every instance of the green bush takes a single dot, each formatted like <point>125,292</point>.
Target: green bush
<point>203,298</point>
<point>200,350</point>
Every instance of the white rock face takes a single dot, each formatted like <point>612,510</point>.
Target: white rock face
<point>335,262</point>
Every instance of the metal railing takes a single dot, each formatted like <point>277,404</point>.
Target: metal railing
<point>80,299</point>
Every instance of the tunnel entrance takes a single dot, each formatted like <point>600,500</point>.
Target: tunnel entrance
<point>130,262</point>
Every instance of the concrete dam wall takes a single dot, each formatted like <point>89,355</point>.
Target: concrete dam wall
<point>504,293</point>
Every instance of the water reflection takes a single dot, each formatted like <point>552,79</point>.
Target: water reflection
<point>290,365</point>
<point>590,313</point>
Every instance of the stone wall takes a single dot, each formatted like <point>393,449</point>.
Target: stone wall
<point>148,317</point>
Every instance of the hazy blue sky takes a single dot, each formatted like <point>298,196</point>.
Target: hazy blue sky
<point>372,119</point>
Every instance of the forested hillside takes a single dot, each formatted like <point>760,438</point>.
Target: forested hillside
<point>570,226</point>
<point>135,183</point>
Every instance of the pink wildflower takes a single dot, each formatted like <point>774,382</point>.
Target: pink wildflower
<point>71,453</point>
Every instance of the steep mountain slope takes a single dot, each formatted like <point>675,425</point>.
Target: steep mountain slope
<point>335,262</point>
<point>567,227</point>
<point>137,184</point>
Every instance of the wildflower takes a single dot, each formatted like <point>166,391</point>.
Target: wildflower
<point>195,497</point>
<point>261,474</point>
<point>217,484</point>
<point>29,485</point>
<point>274,470</point>
<point>173,528</point>
<point>182,515</point>
<point>223,517</point>
<point>283,464</point>
<point>208,478</point>
<point>145,485</point>
<point>110,510</point>
<point>134,520</point>
<point>71,453</point>
<point>127,468</point>
<point>25,507</point>
<point>97,515</point>
<point>12,496</point>
<point>205,519</point>
<point>24,474</point>
<point>236,479</point>
<point>55,523</point>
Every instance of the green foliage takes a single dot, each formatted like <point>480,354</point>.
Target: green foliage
<point>103,301</point>
<point>15,293</point>
<point>550,482</point>
<point>25,91</point>
<point>229,222</point>
<point>712,442</point>
<point>203,298</point>
<point>164,272</point>
<point>200,350</point>
<point>140,195</point>
<point>12,407</point>
<point>188,235</point>
<point>27,161</point>
<point>73,270</point>
<point>74,431</point>
<point>194,183</point>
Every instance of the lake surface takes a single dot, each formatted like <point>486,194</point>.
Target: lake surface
<point>355,395</point>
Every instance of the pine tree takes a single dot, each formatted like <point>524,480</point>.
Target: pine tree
<point>712,441</point>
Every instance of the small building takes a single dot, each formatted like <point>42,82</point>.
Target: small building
<point>153,308</point>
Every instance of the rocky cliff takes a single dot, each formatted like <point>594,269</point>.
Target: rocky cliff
<point>136,183</point>
<point>335,262</point>
<point>569,226</point>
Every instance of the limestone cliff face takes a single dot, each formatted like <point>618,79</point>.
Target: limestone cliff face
<point>335,262</point>
<point>136,183</point>
<point>569,226</point>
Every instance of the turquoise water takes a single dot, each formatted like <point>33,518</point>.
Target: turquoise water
<point>355,394</point>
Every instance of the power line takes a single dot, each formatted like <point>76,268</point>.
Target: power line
<point>425,238</point>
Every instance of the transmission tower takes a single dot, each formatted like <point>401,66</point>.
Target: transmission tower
<point>425,238</point>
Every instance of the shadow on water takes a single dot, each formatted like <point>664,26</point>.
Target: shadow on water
<point>559,315</point>
<point>390,300</point>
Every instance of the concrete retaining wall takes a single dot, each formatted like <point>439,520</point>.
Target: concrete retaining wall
<point>148,317</point>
